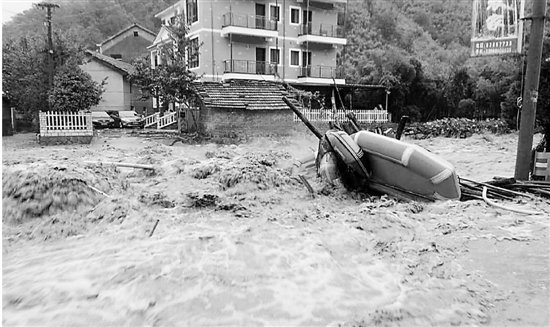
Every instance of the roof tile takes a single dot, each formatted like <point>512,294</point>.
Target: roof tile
<point>249,95</point>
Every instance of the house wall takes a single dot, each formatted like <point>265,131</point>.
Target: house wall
<point>225,123</point>
<point>114,96</point>
<point>129,46</point>
<point>127,93</point>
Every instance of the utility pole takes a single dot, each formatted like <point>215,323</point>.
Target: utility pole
<point>51,67</point>
<point>530,94</point>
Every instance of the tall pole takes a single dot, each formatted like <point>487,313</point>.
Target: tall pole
<point>530,93</point>
<point>51,67</point>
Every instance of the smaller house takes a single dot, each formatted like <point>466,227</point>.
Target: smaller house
<point>119,93</point>
<point>128,44</point>
<point>240,109</point>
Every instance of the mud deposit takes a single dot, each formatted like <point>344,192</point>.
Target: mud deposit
<point>239,242</point>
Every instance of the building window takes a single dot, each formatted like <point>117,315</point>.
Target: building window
<point>154,59</point>
<point>307,17</point>
<point>173,20</point>
<point>193,53</point>
<point>341,20</point>
<point>294,58</point>
<point>275,12</point>
<point>294,15</point>
<point>306,58</point>
<point>192,11</point>
<point>136,34</point>
<point>274,56</point>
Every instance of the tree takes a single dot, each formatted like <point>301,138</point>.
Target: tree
<point>74,90</point>
<point>24,74</point>
<point>171,80</point>
<point>24,70</point>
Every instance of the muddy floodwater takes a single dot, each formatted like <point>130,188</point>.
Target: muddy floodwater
<point>238,242</point>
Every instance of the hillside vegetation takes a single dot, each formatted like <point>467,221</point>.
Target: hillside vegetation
<point>418,48</point>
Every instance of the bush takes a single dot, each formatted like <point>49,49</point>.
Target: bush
<point>456,127</point>
<point>74,90</point>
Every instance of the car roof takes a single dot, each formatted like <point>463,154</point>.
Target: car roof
<point>99,114</point>
<point>127,113</point>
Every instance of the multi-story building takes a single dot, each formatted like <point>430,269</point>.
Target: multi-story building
<point>295,41</point>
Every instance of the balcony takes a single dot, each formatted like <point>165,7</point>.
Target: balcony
<point>322,33</point>
<point>249,69</point>
<point>321,75</point>
<point>249,25</point>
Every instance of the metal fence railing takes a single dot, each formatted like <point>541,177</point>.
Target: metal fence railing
<point>321,72</point>
<point>250,67</point>
<point>249,21</point>
<point>327,30</point>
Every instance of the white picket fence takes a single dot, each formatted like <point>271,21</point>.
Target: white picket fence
<point>54,123</point>
<point>362,115</point>
<point>169,118</point>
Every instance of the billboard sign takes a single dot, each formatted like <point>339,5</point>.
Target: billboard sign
<point>497,28</point>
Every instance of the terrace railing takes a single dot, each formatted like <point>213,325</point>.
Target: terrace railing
<point>250,67</point>
<point>321,72</point>
<point>327,30</point>
<point>249,21</point>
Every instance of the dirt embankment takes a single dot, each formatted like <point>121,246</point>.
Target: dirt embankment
<point>241,242</point>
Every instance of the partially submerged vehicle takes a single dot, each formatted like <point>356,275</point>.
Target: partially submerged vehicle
<point>382,164</point>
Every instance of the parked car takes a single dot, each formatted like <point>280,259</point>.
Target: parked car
<point>127,119</point>
<point>101,119</point>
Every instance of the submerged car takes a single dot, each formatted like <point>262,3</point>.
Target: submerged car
<point>127,119</point>
<point>101,119</point>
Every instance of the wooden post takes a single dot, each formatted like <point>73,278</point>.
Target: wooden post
<point>178,112</point>
<point>530,94</point>
<point>303,119</point>
<point>401,127</point>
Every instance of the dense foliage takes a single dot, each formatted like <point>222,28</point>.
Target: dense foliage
<point>456,127</point>
<point>87,22</point>
<point>74,90</point>
<point>418,48</point>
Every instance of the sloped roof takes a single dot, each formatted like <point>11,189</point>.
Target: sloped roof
<point>121,66</point>
<point>162,36</point>
<point>153,34</point>
<point>249,95</point>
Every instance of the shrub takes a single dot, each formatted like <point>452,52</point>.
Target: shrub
<point>74,90</point>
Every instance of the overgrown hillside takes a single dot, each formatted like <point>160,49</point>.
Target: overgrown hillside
<point>87,22</point>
